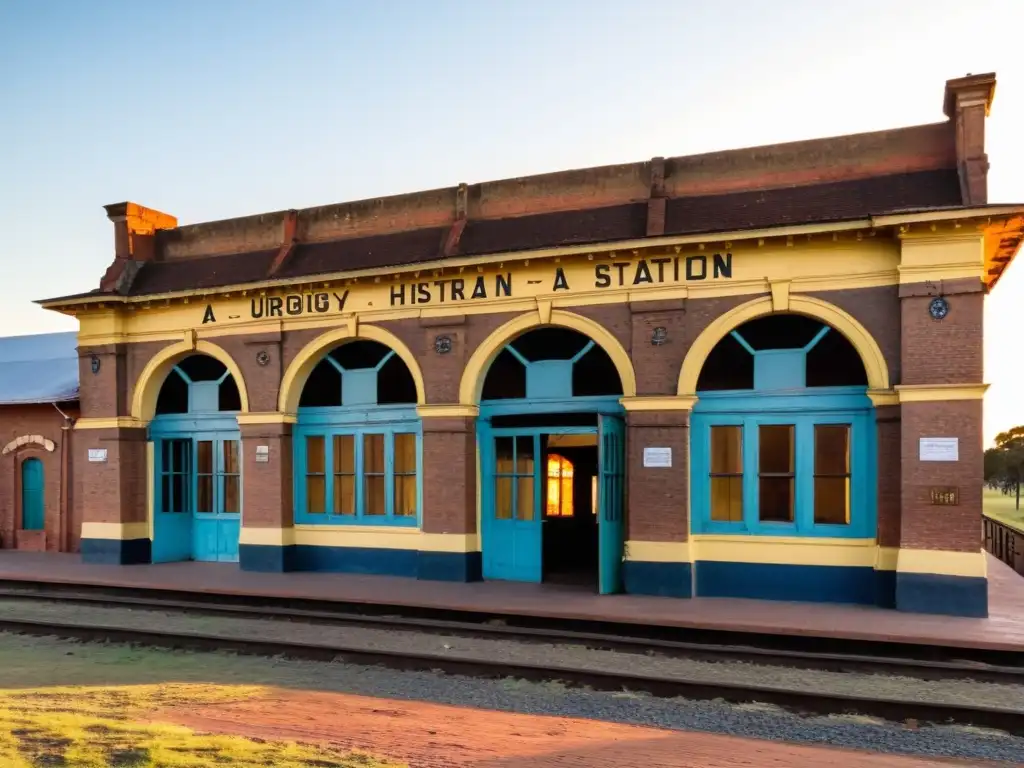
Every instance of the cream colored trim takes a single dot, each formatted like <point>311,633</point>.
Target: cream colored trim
<point>113,422</point>
<point>886,558</point>
<point>881,397</point>
<point>44,443</point>
<point>267,417</point>
<point>784,550</point>
<point>366,536</point>
<point>658,403</point>
<point>447,411</point>
<point>115,531</point>
<point>927,393</point>
<point>942,563</point>
<point>959,214</point>
<point>658,551</point>
<point>780,295</point>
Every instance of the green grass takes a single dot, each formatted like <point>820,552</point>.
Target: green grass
<point>55,712</point>
<point>1003,509</point>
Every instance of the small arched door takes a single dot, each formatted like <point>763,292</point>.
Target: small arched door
<point>32,516</point>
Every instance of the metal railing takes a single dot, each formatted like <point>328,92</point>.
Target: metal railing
<point>1004,542</point>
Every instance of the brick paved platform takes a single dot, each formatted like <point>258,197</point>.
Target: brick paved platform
<point>1004,629</point>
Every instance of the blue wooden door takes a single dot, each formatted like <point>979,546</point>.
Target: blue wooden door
<point>32,501</point>
<point>172,505</point>
<point>216,514</point>
<point>512,517</point>
<point>611,499</point>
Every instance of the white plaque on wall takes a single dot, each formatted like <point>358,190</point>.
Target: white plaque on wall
<point>940,449</point>
<point>97,454</point>
<point>262,454</point>
<point>658,457</point>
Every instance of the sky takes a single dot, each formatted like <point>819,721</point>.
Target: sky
<point>209,110</point>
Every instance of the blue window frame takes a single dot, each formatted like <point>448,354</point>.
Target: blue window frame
<point>358,466</point>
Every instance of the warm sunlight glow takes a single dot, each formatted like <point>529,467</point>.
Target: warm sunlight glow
<point>559,486</point>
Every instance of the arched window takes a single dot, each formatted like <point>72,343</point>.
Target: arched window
<point>782,433</point>
<point>198,384</point>
<point>357,439</point>
<point>559,490</point>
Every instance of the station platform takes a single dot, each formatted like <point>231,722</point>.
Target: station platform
<point>1002,630</point>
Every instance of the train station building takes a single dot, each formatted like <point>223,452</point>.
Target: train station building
<point>754,373</point>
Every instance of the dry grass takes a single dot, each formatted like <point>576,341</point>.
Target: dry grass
<point>113,725</point>
<point>1003,509</point>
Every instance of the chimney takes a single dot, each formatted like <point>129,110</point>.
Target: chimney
<point>134,242</point>
<point>967,103</point>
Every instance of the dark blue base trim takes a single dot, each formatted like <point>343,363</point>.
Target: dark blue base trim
<point>449,566</point>
<point>947,595</point>
<point>378,562</point>
<point>803,583</point>
<point>659,579</point>
<point>116,551</point>
<point>266,558</point>
<point>885,589</point>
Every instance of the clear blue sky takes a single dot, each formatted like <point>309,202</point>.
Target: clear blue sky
<point>208,109</point>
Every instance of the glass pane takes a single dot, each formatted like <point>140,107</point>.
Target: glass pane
<point>373,458</point>
<point>503,455</point>
<point>405,495</point>
<point>832,500</point>
<point>831,449</point>
<point>166,491</point>
<point>554,495</point>
<point>181,489</point>
<point>503,498</point>
<point>345,454</point>
<point>405,453</point>
<point>726,450</point>
<point>524,455</point>
<point>567,505</point>
<point>231,483</point>
<point>524,498</point>
<point>344,494</point>
<point>776,499</point>
<point>230,457</point>
<point>205,457</point>
<point>316,494</point>
<point>315,455</point>
<point>727,499</point>
<point>375,495</point>
<point>776,448</point>
<point>205,501</point>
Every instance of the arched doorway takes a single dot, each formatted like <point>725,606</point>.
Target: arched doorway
<point>197,463</point>
<point>552,447</point>
<point>782,439</point>
<point>33,502</point>
<point>357,442</point>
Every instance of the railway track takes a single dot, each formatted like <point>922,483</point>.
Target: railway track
<point>928,663</point>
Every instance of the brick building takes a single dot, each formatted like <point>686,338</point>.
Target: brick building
<point>750,373</point>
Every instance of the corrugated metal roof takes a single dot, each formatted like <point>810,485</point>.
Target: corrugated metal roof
<point>42,368</point>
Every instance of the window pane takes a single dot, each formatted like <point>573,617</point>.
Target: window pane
<point>776,499</point>
<point>231,494</point>
<point>182,491</point>
<point>316,494</point>
<point>503,498</point>
<point>373,457</point>
<point>727,499</point>
<point>503,455</point>
<point>567,500</point>
<point>405,495</point>
<point>524,455</point>
<point>726,450</point>
<point>345,454</point>
<point>344,494</point>
<point>205,501</point>
<point>230,457</point>
<point>315,455</point>
<point>375,495</point>
<point>831,449</point>
<point>405,453</point>
<point>166,498</point>
<point>524,498</point>
<point>832,500</point>
<point>776,448</point>
<point>205,457</point>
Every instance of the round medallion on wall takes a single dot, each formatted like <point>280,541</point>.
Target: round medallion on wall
<point>262,357</point>
<point>938,308</point>
<point>659,336</point>
<point>443,345</point>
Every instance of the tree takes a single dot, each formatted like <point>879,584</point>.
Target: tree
<point>1004,464</point>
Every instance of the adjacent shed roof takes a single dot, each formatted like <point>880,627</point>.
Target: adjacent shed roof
<point>42,368</point>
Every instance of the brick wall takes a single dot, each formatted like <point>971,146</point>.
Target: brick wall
<point>657,498</point>
<point>45,421</point>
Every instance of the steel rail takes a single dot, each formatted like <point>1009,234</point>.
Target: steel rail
<point>749,652</point>
<point>806,703</point>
